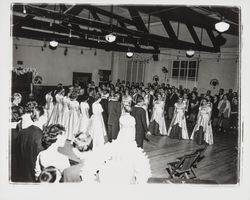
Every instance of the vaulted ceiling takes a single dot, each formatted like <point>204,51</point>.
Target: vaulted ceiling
<point>86,25</point>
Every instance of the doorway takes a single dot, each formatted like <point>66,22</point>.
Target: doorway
<point>82,78</point>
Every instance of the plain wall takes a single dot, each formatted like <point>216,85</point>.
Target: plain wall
<point>54,66</point>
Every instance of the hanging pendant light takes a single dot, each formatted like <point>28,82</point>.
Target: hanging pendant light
<point>110,37</point>
<point>129,54</point>
<point>222,26</point>
<point>53,44</point>
<point>190,53</point>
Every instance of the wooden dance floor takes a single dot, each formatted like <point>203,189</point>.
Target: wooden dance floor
<point>219,165</point>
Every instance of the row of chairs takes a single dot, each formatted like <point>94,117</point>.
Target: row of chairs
<point>184,167</point>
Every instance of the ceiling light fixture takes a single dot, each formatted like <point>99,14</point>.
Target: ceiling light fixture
<point>190,53</point>
<point>110,37</point>
<point>53,44</point>
<point>222,26</point>
<point>129,54</point>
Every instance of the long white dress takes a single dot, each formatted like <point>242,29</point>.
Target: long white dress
<point>127,128</point>
<point>56,115</point>
<point>203,121</point>
<point>97,128</point>
<point>65,113</point>
<point>84,117</point>
<point>157,122</point>
<point>49,104</point>
<point>119,162</point>
<point>74,113</point>
<point>180,121</point>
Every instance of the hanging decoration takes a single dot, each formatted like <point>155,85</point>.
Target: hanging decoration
<point>214,82</point>
<point>38,80</point>
<point>22,71</point>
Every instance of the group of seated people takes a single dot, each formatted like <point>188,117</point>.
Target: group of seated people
<point>96,117</point>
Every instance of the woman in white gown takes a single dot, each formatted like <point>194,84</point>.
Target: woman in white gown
<point>65,112</point>
<point>74,113</point>
<point>145,105</point>
<point>84,117</point>
<point>56,115</point>
<point>126,99</point>
<point>119,162</point>
<point>49,104</point>
<point>178,126</point>
<point>97,128</point>
<point>157,124</point>
<point>203,129</point>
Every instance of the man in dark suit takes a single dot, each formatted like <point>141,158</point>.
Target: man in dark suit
<point>150,101</point>
<point>28,146</point>
<point>114,113</point>
<point>140,119</point>
<point>80,96</point>
<point>172,100</point>
<point>91,101</point>
<point>104,102</point>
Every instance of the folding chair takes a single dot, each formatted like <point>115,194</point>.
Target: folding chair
<point>184,167</point>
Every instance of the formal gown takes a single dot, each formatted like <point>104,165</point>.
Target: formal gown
<point>178,127</point>
<point>203,130</point>
<point>56,115</point>
<point>157,123</point>
<point>74,113</point>
<point>97,128</point>
<point>118,162</point>
<point>49,104</point>
<point>65,113</point>
<point>145,107</point>
<point>84,117</point>
<point>127,128</point>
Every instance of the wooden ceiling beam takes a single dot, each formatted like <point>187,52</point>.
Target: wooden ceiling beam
<point>151,39</point>
<point>38,35</point>
<point>193,34</point>
<point>168,27</point>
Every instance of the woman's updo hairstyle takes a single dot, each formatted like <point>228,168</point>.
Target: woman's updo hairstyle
<point>50,134</point>
<point>73,95</point>
<point>30,106</point>
<point>49,175</point>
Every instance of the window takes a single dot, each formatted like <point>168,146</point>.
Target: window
<point>185,70</point>
<point>135,71</point>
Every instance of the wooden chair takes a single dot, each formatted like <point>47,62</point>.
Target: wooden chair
<point>184,168</point>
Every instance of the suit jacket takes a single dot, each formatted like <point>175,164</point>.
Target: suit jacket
<point>105,107</point>
<point>28,146</point>
<point>90,102</point>
<point>151,99</point>
<point>140,118</point>
<point>114,112</point>
<point>172,100</point>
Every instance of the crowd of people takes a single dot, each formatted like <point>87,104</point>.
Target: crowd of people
<point>104,120</point>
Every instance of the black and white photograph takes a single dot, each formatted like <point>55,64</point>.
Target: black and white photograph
<point>125,94</point>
